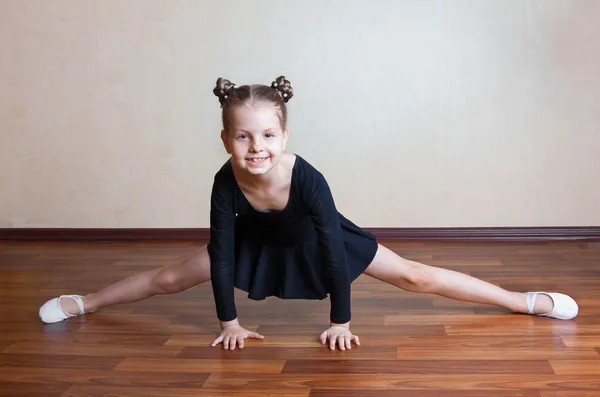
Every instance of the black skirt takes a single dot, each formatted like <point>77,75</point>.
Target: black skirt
<point>281,257</point>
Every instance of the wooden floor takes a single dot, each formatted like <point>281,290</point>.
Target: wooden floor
<point>411,345</point>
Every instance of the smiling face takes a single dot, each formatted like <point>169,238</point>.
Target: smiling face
<point>255,140</point>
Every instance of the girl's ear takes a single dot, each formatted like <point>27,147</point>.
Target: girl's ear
<point>225,143</point>
<point>286,132</point>
<point>286,135</point>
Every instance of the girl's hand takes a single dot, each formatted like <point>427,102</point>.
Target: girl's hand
<point>235,334</point>
<point>340,335</point>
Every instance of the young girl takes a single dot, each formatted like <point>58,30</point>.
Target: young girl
<point>275,231</point>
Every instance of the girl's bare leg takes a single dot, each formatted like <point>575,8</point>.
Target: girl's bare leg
<point>170,279</point>
<point>413,276</point>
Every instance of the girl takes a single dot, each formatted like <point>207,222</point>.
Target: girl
<point>275,231</point>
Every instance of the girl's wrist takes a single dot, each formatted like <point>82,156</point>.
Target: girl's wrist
<point>225,324</point>
<point>345,325</point>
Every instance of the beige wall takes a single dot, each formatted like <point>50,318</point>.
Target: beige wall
<point>420,113</point>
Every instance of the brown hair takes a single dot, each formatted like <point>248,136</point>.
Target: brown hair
<point>230,96</point>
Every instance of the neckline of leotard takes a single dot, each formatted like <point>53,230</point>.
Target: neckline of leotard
<point>270,212</point>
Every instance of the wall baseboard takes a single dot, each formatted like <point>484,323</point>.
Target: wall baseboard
<point>576,233</point>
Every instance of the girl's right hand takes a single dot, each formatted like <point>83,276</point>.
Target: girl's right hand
<point>235,334</point>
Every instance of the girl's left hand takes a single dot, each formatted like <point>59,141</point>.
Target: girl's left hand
<point>339,335</point>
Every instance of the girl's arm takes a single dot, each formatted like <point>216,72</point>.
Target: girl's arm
<point>325,218</point>
<point>221,250</point>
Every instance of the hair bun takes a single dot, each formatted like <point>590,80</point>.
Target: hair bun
<point>284,87</point>
<point>223,89</point>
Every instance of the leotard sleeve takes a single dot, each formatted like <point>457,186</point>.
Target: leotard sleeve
<point>221,247</point>
<point>325,218</point>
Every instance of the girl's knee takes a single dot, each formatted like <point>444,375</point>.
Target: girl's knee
<point>167,282</point>
<point>181,276</point>
<point>400,272</point>
<point>420,279</point>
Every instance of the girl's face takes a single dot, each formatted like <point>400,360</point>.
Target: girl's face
<point>256,140</point>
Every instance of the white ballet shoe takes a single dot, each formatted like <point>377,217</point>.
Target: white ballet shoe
<point>565,307</point>
<point>51,312</point>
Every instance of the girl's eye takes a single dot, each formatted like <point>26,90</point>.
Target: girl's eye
<point>242,136</point>
<point>269,135</point>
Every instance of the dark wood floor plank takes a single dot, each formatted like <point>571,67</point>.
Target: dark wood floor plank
<point>569,393</point>
<point>113,339</point>
<point>404,366</point>
<point>92,350</point>
<point>546,327</point>
<point>201,365</point>
<point>62,378</point>
<point>450,319</point>
<point>10,392</point>
<point>33,388</point>
<point>421,393</point>
<point>424,381</point>
<point>58,361</point>
<point>146,324</point>
<point>482,342</point>
<point>102,391</point>
<point>537,353</point>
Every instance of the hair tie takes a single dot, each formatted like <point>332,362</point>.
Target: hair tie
<point>233,87</point>
<point>280,89</point>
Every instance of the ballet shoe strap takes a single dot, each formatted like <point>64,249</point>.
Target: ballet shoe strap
<point>78,300</point>
<point>531,297</point>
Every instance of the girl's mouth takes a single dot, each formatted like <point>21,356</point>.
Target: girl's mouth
<point>257,160</point>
